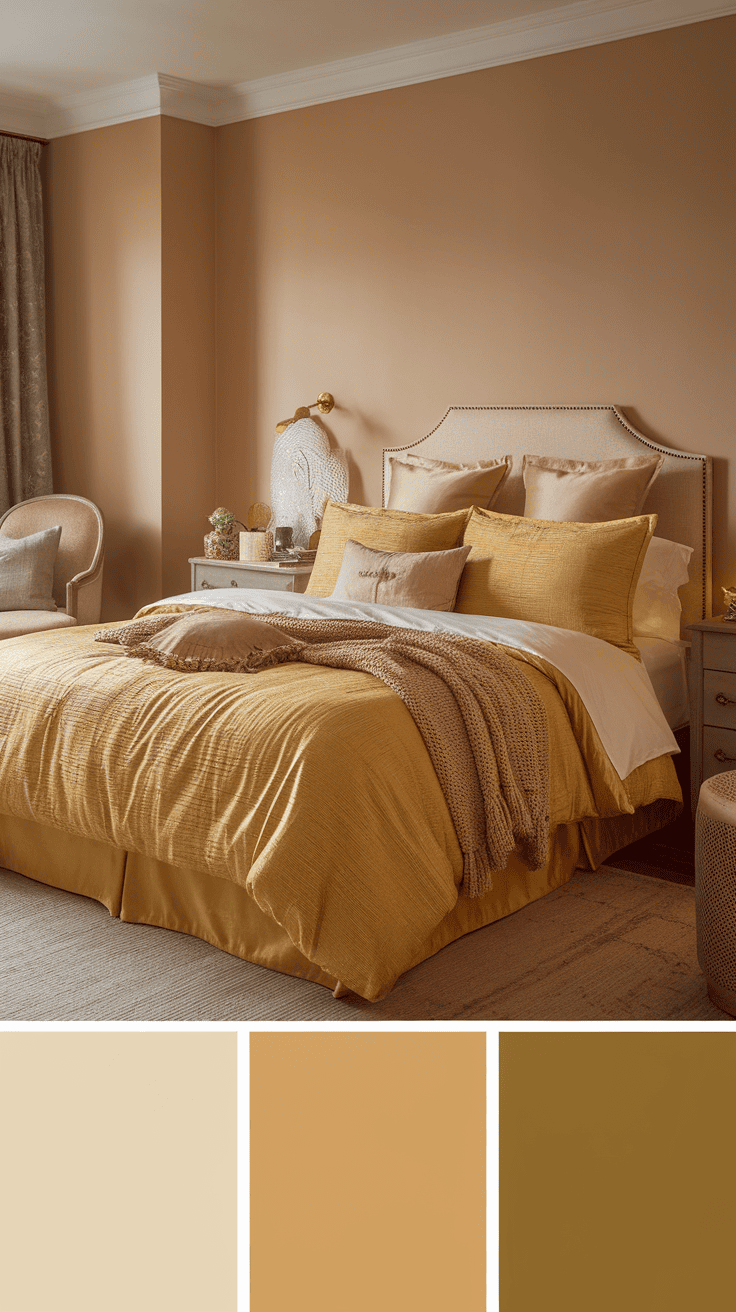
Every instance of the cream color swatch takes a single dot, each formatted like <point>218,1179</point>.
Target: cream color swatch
<point>118,1172</point>
<point>617,1160</point>
<point>367,1172</point>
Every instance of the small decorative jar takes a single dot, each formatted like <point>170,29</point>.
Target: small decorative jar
<point>256,545</point>
<point>222,543</point>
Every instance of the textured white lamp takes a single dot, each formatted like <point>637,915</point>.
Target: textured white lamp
<point>305,472</point>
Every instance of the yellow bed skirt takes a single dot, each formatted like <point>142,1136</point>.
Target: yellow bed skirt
<point>144,891</point>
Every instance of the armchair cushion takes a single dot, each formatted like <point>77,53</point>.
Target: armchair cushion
<point>27,570</point>
<point>14,623</point>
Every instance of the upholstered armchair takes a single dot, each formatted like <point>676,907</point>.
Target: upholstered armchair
<point>77,585</point>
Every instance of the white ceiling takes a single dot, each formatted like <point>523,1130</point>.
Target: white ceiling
<point>70,65</point>
<point>57,47</point>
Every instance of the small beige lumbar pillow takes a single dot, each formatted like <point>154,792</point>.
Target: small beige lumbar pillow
<point>205,641</point>
<point>432,486</point>
<point>587,491</point>
<point>425,580</point>
<point>27,570</point>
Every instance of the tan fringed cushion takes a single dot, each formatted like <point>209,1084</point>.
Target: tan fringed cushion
<point>433,486</point>
<point>573,576</point>
<point>587,491</point>
<point>205,641</point>
<point>384,530</point>
<point>427,580</point>
<point>27,570</point>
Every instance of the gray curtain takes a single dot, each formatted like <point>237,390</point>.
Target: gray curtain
<point>25,454</point>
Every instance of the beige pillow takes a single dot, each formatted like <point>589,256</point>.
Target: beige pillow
<point>570,575</point>
<point>205,641</point>
<point>427,580</point>
<point>385,530</point>
<point>587,491</point>
<point>432,486</point>
<point>27,570</point>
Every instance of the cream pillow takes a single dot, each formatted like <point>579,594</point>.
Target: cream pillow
<point>205,641</point>
<point>27,570</point>
<point>572,576</point>
<point>385,530</point>
<point>657,608</point>
<point>587,491</point>
<point>432,486</point>
<point>427,580</point>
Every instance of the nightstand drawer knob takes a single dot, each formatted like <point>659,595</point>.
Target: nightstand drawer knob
<point>205,584</point>
<point>725,701</point>
<point>233,583</point>
<point>720,755</point>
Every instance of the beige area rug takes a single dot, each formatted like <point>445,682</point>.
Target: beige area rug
<point>610,946</point>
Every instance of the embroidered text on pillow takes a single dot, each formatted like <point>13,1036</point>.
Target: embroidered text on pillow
<point>383,575</point>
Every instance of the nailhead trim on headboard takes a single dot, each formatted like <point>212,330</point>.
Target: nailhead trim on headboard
<point>629,427</point>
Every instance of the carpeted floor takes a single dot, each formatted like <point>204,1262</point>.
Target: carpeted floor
<point>615,945</point>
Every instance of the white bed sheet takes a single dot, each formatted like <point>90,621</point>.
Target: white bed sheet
<point>666,665</point>
<point>615,689</point>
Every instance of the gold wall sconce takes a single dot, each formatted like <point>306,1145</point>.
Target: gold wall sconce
<point>324,403</point>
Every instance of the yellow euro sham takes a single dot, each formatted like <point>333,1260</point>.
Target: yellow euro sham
<point>572,576</point>
<point>384,530</point>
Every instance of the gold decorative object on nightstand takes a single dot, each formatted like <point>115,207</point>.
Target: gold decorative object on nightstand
<point>259,516</point>
<point>729,596</point>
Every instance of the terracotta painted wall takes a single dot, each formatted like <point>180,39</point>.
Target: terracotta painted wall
<point>555,231</point>
<point>103,195</point>
<point>187,345</point>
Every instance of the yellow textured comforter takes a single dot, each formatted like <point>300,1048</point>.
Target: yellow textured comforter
<point>310,787</point>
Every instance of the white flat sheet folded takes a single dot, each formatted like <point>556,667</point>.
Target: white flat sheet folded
<point>615,689</point>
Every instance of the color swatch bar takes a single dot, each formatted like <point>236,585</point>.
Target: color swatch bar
<point>617,1166</point>
<point>367,1172</point>
<point>117,1172</point>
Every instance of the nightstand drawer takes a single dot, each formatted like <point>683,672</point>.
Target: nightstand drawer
<point>719,751</point>
<point>214,576</point>
<point>207,574</point>
<point>719,684</point>
<point>217,576</point>
<point>719,650</point>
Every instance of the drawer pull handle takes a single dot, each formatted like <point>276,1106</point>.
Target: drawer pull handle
<point>720,755</point>
<point>723,700</point>
<point>233,583</point>
<point>205,584</point>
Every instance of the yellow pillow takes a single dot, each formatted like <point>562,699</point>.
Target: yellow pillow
<point>385,530</point>
<point>573,576</point>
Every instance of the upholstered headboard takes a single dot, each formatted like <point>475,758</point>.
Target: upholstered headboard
<point>681,496</point>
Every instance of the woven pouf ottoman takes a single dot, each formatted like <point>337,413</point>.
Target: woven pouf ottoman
<point>715,887</point>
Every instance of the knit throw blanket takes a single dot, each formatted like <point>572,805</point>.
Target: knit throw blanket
<point>482,722</point>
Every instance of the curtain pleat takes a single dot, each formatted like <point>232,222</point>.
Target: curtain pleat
<point>25,454</point>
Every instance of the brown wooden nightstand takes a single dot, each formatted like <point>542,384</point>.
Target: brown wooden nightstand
<point>712,701</point>
<point>208,574</point>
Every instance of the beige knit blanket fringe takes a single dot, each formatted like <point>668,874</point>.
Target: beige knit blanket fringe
<point>483,724</point>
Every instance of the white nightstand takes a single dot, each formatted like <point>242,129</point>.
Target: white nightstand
<point>208,574</point>
<point>712,701</point>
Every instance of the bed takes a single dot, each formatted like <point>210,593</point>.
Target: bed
<point>306,831</point>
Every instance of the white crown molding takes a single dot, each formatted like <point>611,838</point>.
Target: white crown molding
<point>586,23</point>
<point>143,98</point>
<point>590,22</point>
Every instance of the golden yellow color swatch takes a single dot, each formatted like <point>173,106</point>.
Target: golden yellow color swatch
<point>367,1172</point>
<point>118,1172</point>
<point>617,1168</point>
